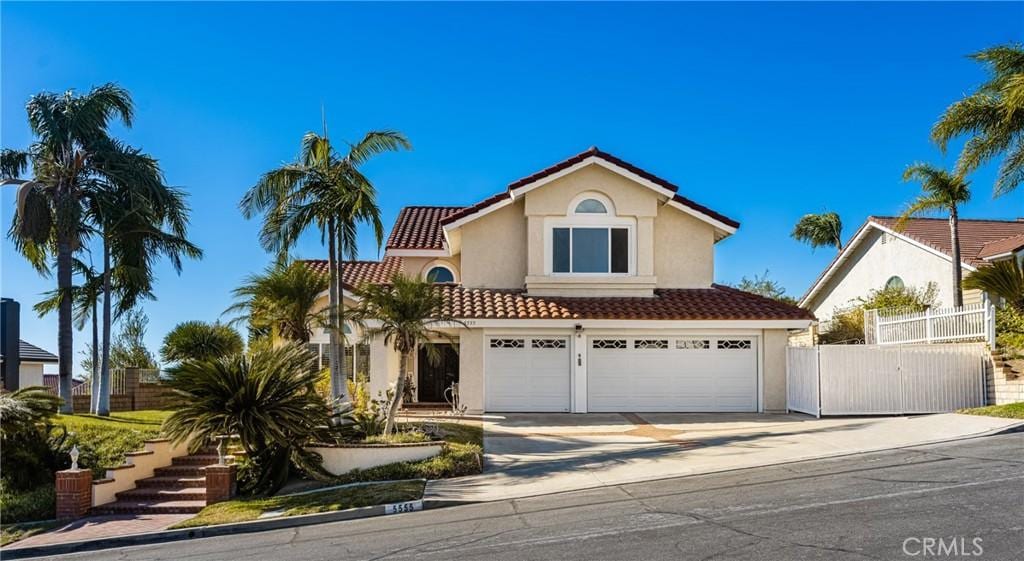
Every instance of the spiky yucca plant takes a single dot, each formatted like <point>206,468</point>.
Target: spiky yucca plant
<point>1002,278</point>
<point>266,397</point>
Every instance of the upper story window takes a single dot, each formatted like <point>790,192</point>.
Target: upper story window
<point>440,274</point>
<point>894,282</point>
<point>591,206</point>
<point>591,239</point>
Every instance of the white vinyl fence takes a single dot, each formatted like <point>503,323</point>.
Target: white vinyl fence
<point>885,380</point>
<point>118,385</point>
<point>973,322</point>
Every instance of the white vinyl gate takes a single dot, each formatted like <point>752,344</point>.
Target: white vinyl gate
<point>884,380</point>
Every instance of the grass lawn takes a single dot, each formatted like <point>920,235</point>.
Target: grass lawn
<point>326,500</point>
<point>10,533</point>
<point>1009,411</point>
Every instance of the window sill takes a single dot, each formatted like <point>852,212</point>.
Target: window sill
<point>591,285</point>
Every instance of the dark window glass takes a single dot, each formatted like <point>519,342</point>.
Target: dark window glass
<point>440,274</point>
<point>620,250</point>
<point>590,250</point>
<point>560,247</point>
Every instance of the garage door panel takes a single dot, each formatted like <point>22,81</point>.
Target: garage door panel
<point>527,374</point>
<point>642,373</point>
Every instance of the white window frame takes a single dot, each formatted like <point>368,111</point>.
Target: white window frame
<point>442,264</point>
<point>588,220</point>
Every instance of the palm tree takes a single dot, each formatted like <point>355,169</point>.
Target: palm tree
<point>942,191</point>
<point>69,157</point>
<point>282,300</point>
<point>140,220</point>
<point>820,230</point>
<point>86,298</point>
<point>267,398</point>
<point>1002,278</point>
<point>406,313</point>
<point>326,191</point>
<point>197,340</point>
<point>993,118</point>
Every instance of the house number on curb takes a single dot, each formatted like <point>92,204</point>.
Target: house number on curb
<point>398,508</point>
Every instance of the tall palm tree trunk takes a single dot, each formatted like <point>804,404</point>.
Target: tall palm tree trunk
<point>342,393</point>
<point>333,304</point>
<point>103,401</point>
<point>64,334</point>
<point>396,400</point>
<point>94,394</point>
<point>954,237</point>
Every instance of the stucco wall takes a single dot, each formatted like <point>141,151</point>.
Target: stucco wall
<point>774,342</point>
<point>873,263</point>
<point>418,267</point>
<point>494,249</point>
<point>30,374</point>
<point>684,254</point>
<point>471,369</point>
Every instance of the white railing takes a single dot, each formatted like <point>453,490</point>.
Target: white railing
<point>885,380</point>
<point>974,322</point>
<point>118,385</point>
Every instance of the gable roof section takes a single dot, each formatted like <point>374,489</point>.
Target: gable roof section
<point>419,227</point>
<point>931,234</point>
<point>593,155</point>
<point>974,234</point>
<point>1001,247</point>
<point>27,352</point>
<point>355,273</point>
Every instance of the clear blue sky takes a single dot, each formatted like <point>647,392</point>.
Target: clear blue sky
<point>760,111</point>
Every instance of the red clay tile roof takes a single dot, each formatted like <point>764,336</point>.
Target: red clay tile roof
<point>419,227</point>
<point>715,303</point>
<point>974,234</point>
<point>355,273</point>
<point>999,247</point>
<point>573,160</point>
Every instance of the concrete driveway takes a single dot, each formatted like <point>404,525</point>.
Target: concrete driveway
<point>535,454</point>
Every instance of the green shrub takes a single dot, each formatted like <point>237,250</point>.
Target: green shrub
<point>101,447</point>
<point>1010,329</point>
<point>30,505</point>
<point>455,460</point>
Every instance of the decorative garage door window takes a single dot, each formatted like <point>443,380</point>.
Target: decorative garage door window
<point>507,343</point>
<point>650,344</point>
<point>734,343</point>
<point>693,344</point>
<point>609,344</point>
<point>548,343</point>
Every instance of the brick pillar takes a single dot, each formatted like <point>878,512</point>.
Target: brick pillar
<point>131,385</point>
<point>74,493</point>
<point>220,483</point>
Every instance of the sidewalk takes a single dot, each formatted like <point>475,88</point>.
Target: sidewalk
<point>536,455</point>
<point>99,527</point>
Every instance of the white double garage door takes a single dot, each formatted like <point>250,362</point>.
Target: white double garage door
<point>621,373</point>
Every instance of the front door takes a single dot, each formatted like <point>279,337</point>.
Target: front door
<point>436,377</point>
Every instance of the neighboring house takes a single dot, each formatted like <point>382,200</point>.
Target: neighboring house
<point>879,255</point>
<point>52,382</point>
<point>584,287</point>
<point>31,363</point>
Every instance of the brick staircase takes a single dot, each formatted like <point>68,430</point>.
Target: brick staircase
<point>1004,384</point>
<point>179,488</point>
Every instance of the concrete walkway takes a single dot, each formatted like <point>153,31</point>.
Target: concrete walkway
<point>536,454</point>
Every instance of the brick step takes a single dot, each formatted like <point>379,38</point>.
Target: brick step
<point>158,494</point>
<point>180,471</point>
<point>195,460</point>
<point>171,482</point>
<point>150,507</point>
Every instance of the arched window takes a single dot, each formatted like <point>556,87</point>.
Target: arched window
<point>591,206</point>
<point>440,274</point>
<point>894,282</point>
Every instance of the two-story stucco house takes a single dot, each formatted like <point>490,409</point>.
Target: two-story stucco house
<point>920,253</point>
<point>587,286</point>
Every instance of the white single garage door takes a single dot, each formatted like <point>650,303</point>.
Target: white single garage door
<point>527,374</point>
<point>677,374</point>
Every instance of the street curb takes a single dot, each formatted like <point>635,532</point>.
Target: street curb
<point>194,533</point>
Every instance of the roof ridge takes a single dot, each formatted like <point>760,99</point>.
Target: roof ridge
<point>1002,220</point>
<point>435,206</point>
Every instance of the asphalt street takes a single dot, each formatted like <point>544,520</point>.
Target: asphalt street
<point>961,500</point>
